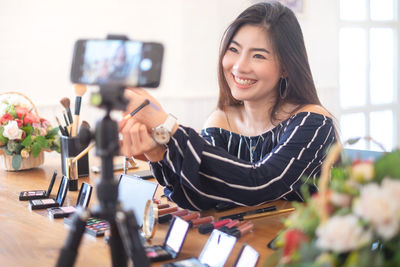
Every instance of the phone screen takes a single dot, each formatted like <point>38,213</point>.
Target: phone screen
<point>217,249</point>
<point>117,63</point>
<point>177,234</point>
<point>248,257</point>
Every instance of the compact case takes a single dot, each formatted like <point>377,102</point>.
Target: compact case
<point>214,254</point>
<point>83,201</point>
<point>50,202</point>
<point>172,244</point>
<point>38,194</point>
<point>248,257</point>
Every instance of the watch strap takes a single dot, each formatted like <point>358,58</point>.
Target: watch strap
<point>169,122</point>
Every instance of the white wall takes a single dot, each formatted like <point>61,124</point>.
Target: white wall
<point>36,40</point>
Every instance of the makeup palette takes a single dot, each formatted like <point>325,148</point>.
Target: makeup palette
<point>214,254</point>
<point>173,242</point>
<point>35,204</point>
<point>94,226</point>
<point>248,257</point>
<point>38,194</point>
<point>83,200</point>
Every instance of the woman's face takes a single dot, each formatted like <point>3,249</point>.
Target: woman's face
<point>250,65</point>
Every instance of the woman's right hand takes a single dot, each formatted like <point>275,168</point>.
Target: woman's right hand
<point>152,115</point>
<point>137,141</point>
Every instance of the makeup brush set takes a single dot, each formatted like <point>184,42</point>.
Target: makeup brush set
<point>74,156</point>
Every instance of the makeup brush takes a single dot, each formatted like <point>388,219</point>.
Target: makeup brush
<point>65,118</point>
<point>62,130</point>
<point>136,110</point>
<point>85,124</point>
<point>80,90</point>
<point>66,104</point>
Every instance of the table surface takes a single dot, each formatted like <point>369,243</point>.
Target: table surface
<point>31,238</point>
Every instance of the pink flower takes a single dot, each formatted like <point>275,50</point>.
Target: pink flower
<point>378,206</point>
<point>342,234</point>
<point>5,118</point>
<point>293,239</point>
<point>363,171</point>
<point>30,119</point>
<point>21,111</point>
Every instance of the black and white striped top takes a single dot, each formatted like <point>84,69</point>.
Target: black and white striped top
<point>199,171</point>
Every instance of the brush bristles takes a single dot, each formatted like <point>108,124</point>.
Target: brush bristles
<point>80,89</point>
<point>65,102</point>
<point>85,124</point>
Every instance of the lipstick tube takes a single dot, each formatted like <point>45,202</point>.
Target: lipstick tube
<point>191,216</point>
<point>201,221</point>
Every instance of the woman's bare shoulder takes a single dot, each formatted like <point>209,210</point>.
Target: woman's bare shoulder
<point>217,119</point>
<point>315,109</point>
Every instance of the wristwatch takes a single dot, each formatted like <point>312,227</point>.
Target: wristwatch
<point>162,133</point>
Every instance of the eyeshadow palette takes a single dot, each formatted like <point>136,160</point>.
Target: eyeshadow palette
<point>38,194</point>
<point>50,202</point>
<point>83,200</point>
<point>94,226</point>
<point>172,244</point>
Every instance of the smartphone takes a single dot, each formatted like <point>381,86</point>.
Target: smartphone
<point>124,63</point>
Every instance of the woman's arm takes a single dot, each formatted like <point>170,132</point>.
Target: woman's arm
<point>208,174</point>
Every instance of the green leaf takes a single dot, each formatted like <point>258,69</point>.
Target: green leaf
<point>36,148</point>
<point>27,141</point>
<point>388,166</point>
<point>16,162</point>
<point>28,129</point>
<point>52,132</point>
<point>2,138</point>
<point>41,140</point>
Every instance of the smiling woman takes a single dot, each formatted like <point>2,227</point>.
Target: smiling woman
<point>268,132</point>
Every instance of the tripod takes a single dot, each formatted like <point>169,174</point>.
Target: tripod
<point>124,240</point>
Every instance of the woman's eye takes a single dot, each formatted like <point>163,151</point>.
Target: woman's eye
<point>259,56</point>
<point>232,49</point>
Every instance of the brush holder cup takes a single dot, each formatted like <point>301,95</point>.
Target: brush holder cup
<point>71,147</point>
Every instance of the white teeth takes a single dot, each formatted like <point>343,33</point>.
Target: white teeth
<point>243,82</point>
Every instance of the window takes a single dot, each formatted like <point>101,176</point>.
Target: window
<point>369,72</point>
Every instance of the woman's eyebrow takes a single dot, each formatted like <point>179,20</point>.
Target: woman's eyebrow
<point>252,49</point>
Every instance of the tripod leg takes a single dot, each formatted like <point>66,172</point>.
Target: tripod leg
<point>118,255</point>
<point>69,252</point>
<point>129,230</point>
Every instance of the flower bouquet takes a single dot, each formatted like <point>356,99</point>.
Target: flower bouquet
<point>24,135</point>
<point>354,220</point>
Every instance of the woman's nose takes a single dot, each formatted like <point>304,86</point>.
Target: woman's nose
<point>241,64</point>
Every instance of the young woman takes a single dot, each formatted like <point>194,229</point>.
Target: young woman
<point>267,135</point>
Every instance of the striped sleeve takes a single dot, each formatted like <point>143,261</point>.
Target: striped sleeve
<point>199,175</point>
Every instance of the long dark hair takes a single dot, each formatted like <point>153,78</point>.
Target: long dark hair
<point>288,43</point>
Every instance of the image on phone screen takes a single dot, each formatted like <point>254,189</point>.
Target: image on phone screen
<point>117,63</point>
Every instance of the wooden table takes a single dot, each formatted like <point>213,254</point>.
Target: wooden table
<point>30,238</point>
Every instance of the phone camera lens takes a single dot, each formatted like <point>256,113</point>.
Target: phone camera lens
<point>146,64</point>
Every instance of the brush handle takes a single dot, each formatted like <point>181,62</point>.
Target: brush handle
<point>69,115</point>
<point>74,129</point>
<point>83,153</point>
<point>78,101</point>
<point>65,119</point>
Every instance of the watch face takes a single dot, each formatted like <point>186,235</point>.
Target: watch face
<point>161,135</point>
